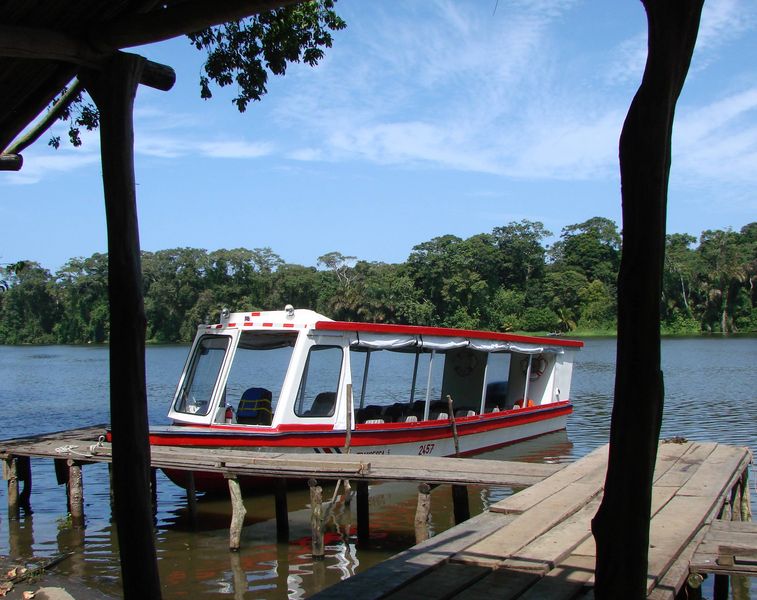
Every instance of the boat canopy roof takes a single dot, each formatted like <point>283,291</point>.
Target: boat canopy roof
<point>380,336</point>
<point>281,327</point>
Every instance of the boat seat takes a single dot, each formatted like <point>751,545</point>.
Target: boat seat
<point>441,416</point>
<point>411,419</point>
<point>323,405</point>
<point>465,412</point>
<point>372,411</point>
<point>394,413</point>
<point>374,421</point>
<point>255,407</point>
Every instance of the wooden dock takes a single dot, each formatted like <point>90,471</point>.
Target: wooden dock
<point>536,543</point>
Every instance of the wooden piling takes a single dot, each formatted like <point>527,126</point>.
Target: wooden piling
<point>191,498</point>
<point>422,513</point>
<point>460,504</point>
<point>363,514</point>
<point>238,511</point>
<point>154,489</point>
<point>316,518</point>
<point>282,511</point>
<point>24,473</point>
<point>11,476</point>
<point>75,493</point>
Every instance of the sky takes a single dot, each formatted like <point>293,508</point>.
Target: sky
<point>425,118</point>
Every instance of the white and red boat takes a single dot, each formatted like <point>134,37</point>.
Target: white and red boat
<point>296,381</point>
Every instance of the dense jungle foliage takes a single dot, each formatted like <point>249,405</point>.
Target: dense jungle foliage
<point>506,280</point>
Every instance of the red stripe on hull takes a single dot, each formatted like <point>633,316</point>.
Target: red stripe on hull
<point>388,434</point>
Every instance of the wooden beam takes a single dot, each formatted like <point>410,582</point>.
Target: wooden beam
<point>186,17</point>
<point>11,162</point>
<point>113,89</point>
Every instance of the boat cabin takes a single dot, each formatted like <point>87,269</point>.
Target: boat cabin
<point>299,368</point>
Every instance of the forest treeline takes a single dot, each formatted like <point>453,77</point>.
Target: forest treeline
<point>506,280</point>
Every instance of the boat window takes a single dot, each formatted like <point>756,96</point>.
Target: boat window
<point>197,389</point>
<point>320,381</point>
<point>257,374</point>
<point>497,375</point>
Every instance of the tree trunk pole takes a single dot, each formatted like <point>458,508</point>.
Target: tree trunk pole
<point>75,493</point>
<point>621,525</point>
<point>113,90</point>
<point>238,511</point>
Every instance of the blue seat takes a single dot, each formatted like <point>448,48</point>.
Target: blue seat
<point>255,407</point>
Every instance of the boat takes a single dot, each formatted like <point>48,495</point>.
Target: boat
<point>294,380</point>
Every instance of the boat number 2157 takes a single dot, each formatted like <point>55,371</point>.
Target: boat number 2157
<point>425,449</point>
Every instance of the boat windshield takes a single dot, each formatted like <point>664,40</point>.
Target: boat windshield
<point>254,384</point>
<point>197,389</point>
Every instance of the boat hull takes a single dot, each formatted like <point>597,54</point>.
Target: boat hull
<point>476,434</point>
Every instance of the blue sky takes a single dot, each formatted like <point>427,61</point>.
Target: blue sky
<point>425,118</point>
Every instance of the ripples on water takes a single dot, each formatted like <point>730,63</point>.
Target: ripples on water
<point>710,395</point>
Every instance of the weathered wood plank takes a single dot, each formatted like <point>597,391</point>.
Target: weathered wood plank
<point>686,465</point>
<point>502,584</point>
<point>666,587</point>
<point>528,526</point>
<point>594,462</point>
<point>548,550</point>
<point>564,582</point>
<point>410,564</point>
<point>443,582</point>
<point>708,479</point>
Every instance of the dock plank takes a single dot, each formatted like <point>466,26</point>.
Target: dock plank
<point>593,462</point>
<point>502,584</point>
<point>406,566</point>
<point>445,581</point>
<point>503,544</point>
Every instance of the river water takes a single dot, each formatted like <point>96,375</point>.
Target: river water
<point>711,395</point>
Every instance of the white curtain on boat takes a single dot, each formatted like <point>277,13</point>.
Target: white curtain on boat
<point>443,344</point>
<point>491,346</point>
<point>375,342</point>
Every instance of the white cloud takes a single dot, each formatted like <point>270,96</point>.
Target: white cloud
<point>38,166</point>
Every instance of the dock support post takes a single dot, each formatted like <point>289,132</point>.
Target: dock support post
<point>720,587</point>
<point>363,514</point>
<point>75,493</point>
<point>24,473</point>
<point>282,511</point>
<point>10,474</point>
<point>316,518</point>
<point>191,498</point>
<point>422,512</point>
<point>154,489</point>
<point>238,511</point>
<point>460,505</point>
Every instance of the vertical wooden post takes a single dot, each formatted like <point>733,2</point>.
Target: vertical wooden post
<point>282,511</point>
<point>621,525</point>
<point>316,518</point>
<point>191,498</point>
<point>154,489</point>
<point>422,512</point>
<point>460,504</point>
<point>11,476</point>
<point>720,587</point>
<point>238,511</point>
<point>24,473</point>
<point>363,514</point>
<point>113,89</point>
<point>75,493</point>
